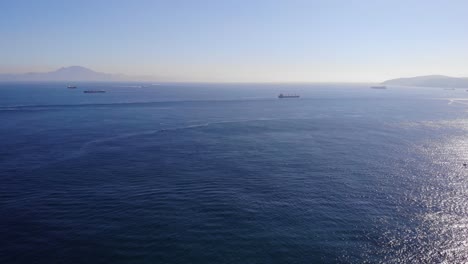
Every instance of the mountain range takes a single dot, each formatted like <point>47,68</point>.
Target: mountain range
<point>79,73</point>
<point>72,73</point>
<point>430,81</point>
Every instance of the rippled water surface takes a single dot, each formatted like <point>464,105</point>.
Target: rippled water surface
<point>212,173</point>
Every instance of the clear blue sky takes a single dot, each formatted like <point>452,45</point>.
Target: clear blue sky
<point>242,40</point>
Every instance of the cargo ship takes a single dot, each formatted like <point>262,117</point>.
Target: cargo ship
<point>281,96</point>
<point>379,87</point>
<point>71,87</point>
<point>94,91</point>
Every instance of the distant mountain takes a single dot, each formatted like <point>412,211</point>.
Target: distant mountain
<point>430,81</point>
<point>72,73</point>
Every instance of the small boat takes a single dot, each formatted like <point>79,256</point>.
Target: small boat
<point>281,96</point>
<point>71,87</point>
<point>382,87</point>
<point>94,91</point>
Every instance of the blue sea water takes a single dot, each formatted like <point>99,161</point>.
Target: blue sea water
<point>228,173</point>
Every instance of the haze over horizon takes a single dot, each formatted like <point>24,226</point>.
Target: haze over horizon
<point>266,41</point>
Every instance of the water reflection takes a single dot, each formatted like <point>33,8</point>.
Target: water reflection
<point>430,224</point>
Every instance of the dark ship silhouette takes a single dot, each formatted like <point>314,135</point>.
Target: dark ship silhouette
<point>281,96</point>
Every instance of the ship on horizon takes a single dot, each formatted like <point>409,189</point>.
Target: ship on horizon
<point>379,87</point>
<point>71,87</point>
<point>94,91</point>
<point>281,96</point>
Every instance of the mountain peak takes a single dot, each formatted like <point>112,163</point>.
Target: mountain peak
<point>74,69</point>
<point>430,81</point>
<point>71,73</point>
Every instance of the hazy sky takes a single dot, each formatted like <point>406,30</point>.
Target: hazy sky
<point>241,40</point>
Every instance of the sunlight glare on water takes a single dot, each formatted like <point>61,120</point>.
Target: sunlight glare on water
<point>437,229</point>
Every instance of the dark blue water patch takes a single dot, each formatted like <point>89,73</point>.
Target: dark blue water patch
<point>211,190</point>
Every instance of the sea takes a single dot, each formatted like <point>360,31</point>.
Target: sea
<point>229,173</point>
